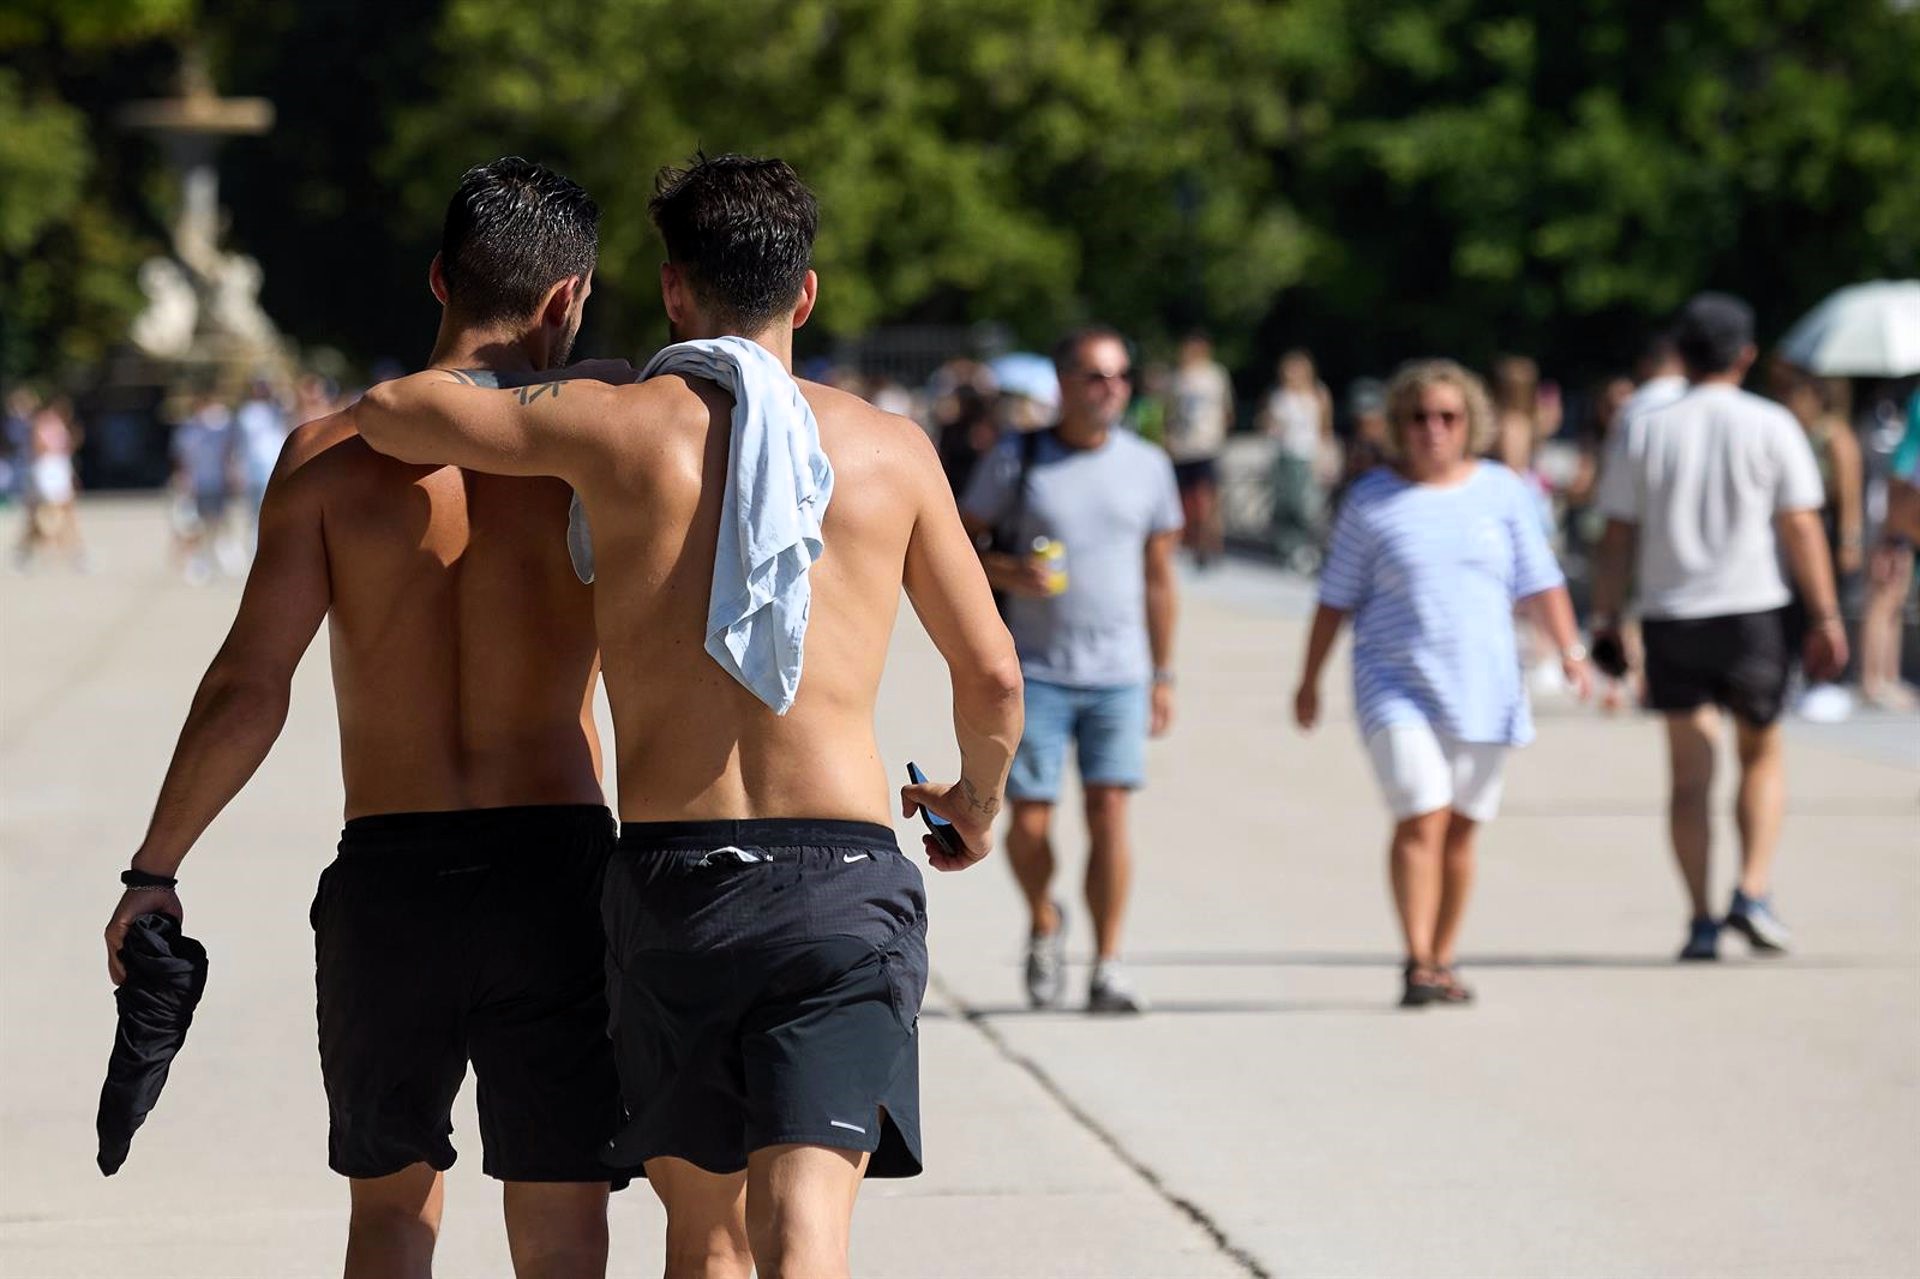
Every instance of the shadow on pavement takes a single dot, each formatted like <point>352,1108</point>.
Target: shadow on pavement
<point>1341,959</point>
<point>1159,1007</point>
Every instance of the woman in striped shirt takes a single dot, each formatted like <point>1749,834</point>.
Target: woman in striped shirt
<point>1429,557</point>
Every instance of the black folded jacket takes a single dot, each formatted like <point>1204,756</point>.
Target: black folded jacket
<point>166,973</point>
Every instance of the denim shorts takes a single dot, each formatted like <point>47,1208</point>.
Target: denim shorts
<point>1108,727</point>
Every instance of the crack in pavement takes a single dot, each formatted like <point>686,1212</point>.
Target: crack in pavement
<point>982,1024</point>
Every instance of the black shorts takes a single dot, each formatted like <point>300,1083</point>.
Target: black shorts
<point>444,938</point>
<point>1195,473</point>
<point>1740,662</point>
<point>766,979</point>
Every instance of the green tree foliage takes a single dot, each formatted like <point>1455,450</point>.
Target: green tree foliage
<point>69,233</point>
<point>1373,177</point>
<point>1020,159</point>
<point>1560,174</point>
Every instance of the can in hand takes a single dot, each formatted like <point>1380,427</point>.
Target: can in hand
<point>1051,555</point>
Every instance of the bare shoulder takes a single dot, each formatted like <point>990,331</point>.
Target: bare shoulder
<point>659,429</point>
<point>866,435</point>
<point>317,453</point>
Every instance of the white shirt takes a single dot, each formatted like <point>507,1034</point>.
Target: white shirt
<point>1293,418</point>
<point>1704,478</point>
<point>1199,412</point>
<point>1654,393</point>
<point>1431,574</point>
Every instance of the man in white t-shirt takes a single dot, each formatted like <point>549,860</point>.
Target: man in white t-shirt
<point>1701,497</point>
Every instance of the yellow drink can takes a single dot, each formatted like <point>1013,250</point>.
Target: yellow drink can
<point>1051,554</point>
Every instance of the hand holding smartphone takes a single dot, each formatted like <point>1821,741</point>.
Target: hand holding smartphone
<point>937,826</point>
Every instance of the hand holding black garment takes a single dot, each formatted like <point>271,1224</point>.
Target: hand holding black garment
<point>166,975</point>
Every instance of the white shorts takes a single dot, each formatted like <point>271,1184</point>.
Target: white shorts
<point>50,480</point>
<point>1421,771</point>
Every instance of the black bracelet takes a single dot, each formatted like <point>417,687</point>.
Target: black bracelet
<point>147,879</point>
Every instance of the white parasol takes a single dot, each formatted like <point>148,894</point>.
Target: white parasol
<point>1865,330</point>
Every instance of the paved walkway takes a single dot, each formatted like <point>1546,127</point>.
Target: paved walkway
<point>1602,1112</point>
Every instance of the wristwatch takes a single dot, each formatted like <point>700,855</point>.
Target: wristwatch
<point>1163,678</point>
<point>1574,653</point>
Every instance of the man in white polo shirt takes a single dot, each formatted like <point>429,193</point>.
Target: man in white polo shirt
<point>1709,491</point>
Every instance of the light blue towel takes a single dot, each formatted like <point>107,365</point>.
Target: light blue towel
<point>778,485</point>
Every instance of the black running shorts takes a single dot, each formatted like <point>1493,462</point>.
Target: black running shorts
<point>444,938</point>
<point>765,979</point>
<point>1196,473</point>
<point>1740,661</point>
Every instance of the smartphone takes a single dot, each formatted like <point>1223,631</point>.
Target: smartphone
<point>937,826</point>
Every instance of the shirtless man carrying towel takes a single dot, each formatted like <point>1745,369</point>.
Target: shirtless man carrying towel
<point>768,937</point>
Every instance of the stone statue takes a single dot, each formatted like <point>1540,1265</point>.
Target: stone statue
<point>233,302</point>
<point>166,327</point>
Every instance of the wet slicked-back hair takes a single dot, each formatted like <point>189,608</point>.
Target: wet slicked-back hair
<point>742,230</point>
<point>514,229</point>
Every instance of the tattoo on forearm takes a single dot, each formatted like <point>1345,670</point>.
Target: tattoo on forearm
<point>464,377</point>
<point>528,394</point>
<point>987,806</point>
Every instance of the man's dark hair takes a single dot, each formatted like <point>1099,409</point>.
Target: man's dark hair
<point>1658,350</point>
<point>741,228</point>
<point>1711,332</point>
<point>1066,352</point>
<point>514,229</point>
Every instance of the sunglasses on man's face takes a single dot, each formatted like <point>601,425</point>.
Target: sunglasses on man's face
<point>1094,377</point>
<point>1445,417</point>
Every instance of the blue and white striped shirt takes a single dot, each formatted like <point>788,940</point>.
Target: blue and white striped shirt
<point>1430,575</point>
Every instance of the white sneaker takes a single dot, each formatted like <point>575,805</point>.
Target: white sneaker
<point>1047,962</point>
<point>1111,991</point>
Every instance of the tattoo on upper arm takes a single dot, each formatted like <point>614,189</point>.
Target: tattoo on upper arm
<point>987,806</point>
<point>528,394</point>
<point>464,377</point>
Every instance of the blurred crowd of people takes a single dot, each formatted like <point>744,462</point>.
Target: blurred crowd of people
<point>221,451</point>
<point>1314,446</point>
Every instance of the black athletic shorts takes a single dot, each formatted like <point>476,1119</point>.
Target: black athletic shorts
<point>765,979</point>
<point>1740,662</point>
<point>444,938</point>
<point>1196,472</point>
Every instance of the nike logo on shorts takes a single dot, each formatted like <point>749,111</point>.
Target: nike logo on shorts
<point>841,1123</point>
<point>855,857</point>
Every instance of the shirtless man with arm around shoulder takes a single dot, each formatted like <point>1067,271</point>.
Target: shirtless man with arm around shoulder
<point>460,921</point>
<point>768,935</point>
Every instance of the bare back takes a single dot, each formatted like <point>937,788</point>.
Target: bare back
<point>694,744</point>
<point>462,644</point>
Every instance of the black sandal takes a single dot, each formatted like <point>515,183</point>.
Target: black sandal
<point>1452,989</point>
<point>1419,987</point>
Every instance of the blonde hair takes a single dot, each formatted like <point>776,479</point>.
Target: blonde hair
<point>1415,376</point>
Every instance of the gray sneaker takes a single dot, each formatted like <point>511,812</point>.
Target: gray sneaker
<point>1753,918</point>
<point>1047,962</point>
<point>1111,992</point>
